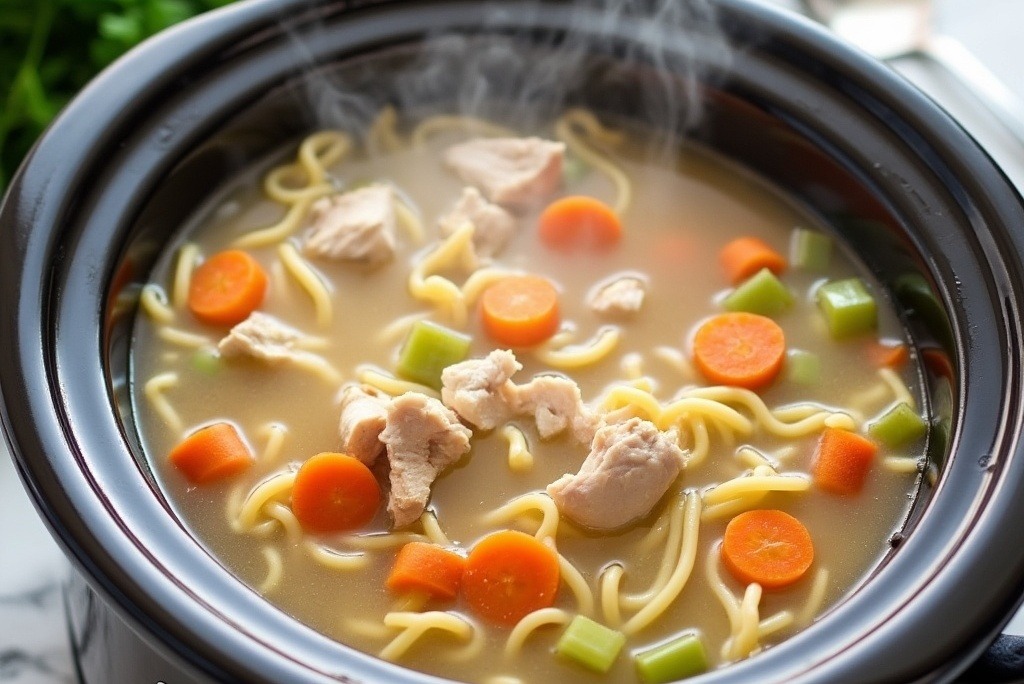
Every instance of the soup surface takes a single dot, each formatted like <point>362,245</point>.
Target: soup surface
<point>830,434</point>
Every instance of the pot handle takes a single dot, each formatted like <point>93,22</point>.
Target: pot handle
<point>1002,663</point>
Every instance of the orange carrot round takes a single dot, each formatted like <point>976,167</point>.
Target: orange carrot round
<point>579,222</point>
<point>226,288</point>
<point>745,256</point>
<point>739,349</point>
<point>520,311</point>
<point>510,574</point>
<point>769,547</point>
<point>211,453</point>
<point>334,493</point>
<point>427,568</point>
<point>842,461</point>
<point>887,354</point>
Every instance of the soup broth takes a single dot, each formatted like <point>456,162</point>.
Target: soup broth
<point>675,217</point>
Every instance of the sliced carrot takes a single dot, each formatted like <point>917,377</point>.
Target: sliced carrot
<point>739,349</point>
<point>579,222</point>
<point>520,311</point>
<point>745,256</point>
<point>887,354</point>
<point>767,546</point>
<point>211,453</point>
<point>334,493</point>
<point>509,575</point>
<point>842,461</point>
<point>428,569</point>
<point>226,288</point>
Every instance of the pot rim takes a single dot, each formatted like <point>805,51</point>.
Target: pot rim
<point>76,503</point>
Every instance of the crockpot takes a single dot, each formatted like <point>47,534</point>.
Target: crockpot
<point>124,165</point>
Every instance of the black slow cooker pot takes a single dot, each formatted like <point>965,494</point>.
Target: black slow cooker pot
<point>111,181</point>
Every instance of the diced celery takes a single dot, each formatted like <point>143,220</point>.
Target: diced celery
<point>810,250</point>
<point>574,169</point>
<point>803,367</point>
<point>849,309</point>
<point>898,426</point>
<point>761,293</point>
<point>682,657</point>
<point>206,360</point>
<point>590,644</point>
<point>428,350</point>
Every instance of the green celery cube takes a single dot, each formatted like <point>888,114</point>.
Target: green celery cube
<point>803,367</point>
<point>682,657</point>
<point>590,644</point>
<point>848,307</point>
<point>898,426</point>
<point>810,250</point>
<point>761,293</point>
<point>206,361</point>
<point>428,350</point>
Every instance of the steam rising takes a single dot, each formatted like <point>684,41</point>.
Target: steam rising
<point>642,57</point>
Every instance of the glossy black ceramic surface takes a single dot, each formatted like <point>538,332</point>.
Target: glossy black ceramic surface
<point>925,209</point>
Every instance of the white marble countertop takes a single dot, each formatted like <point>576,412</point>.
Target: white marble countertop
<point>34,647</point>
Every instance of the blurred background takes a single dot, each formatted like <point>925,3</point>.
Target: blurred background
<point>49,49</point>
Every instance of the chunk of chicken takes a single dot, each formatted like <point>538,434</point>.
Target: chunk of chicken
<point>356,226</point>
<point>621,297</point>
<point>477,389</point>
<point>630,467</point>
<point>422,437</point>
<point>556,405</point>
<point>364,412</point>
<point>492,225</point>
<point>263,337</point>
<point>513,172</point>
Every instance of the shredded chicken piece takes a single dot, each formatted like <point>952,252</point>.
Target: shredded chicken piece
<point>621,297</point>
<point>476,389</point>
<point>492,225</point>
<point>263,337</point>
<point>513,172</point>
<point>358,225</point>
<point>363,417</point>
<point>422,437</point>
<point>630,467</point>
<point>556,405</point>
<point>482,393</point>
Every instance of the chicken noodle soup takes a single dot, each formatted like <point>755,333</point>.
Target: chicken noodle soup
<point>526,405</point>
